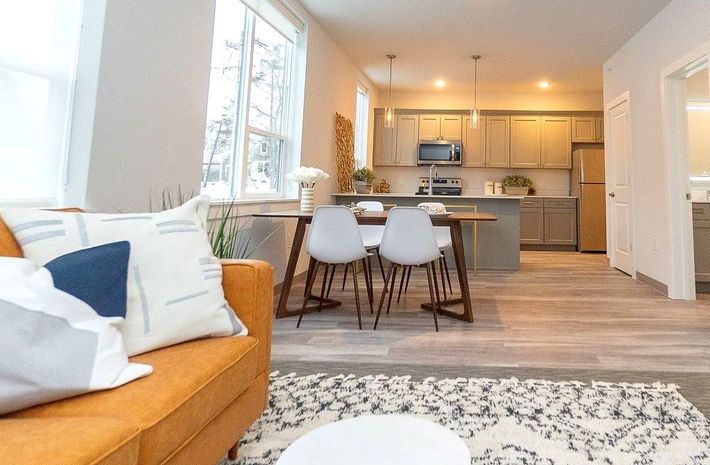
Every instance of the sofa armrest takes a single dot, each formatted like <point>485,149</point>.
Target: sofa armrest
<point>249,289</point>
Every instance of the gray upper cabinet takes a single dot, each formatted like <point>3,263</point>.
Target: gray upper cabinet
<point>524,141</point>
<point>383,143</point>
<point>497,141</point>
<point>474,143</point>
<point>584,129</point>
<point>600,128</point>
<point>439,127</point>
<point>556,140</point>
<point>407,140</point>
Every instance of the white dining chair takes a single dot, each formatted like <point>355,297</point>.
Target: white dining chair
<point>408,241</point>
<point>443,241</point>
<point>335,239</point>
<point>371,238</point>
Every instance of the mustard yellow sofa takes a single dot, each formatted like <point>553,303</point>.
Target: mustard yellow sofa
<point>193,409</point>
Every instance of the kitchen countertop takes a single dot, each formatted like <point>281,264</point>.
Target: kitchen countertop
<point>552,196</point>
<point>405,195</point>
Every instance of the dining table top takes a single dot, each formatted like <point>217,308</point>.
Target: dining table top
<point>370,216</point>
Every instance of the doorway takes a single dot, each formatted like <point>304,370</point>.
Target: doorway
<point>686,95</point>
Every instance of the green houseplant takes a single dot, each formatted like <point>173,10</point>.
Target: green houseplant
<point>231,234</point>
<point>517,185</point>
<point>364,177</point>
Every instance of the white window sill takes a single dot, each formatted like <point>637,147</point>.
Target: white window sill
<point>253,201</point>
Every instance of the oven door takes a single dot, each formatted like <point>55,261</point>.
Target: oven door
<point>439,153</point>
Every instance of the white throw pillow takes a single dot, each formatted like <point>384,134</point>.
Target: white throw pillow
<point>174,280</point>
<point>54,345</point>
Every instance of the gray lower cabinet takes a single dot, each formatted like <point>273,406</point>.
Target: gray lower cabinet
<point>532,221</point>
<point>701,241</point>
<point>548,221</point>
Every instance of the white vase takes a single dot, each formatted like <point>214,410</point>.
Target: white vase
<point>307,200</point>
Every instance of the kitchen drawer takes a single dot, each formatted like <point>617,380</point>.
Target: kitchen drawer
<point>701,211</point>
<point>560,203</point>
<point>531,202</point>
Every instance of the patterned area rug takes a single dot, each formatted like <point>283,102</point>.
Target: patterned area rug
<point>502,421</point>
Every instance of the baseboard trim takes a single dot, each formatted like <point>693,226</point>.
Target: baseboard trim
<point>547,248</point>
<point>650,282</point>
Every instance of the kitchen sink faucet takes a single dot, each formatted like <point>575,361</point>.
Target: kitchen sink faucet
<point>435,170</point>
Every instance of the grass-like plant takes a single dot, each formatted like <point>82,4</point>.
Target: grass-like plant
<point>517,181</point>
<point>230,234</point>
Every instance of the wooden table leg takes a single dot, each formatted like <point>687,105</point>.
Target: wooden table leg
<point>298,236</point>
<point>460,259</point>
<point>323,302</point>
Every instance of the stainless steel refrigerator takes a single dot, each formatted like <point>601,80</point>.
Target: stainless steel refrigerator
<point>587,184</point>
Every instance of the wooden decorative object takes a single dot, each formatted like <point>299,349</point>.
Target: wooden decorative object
<point>345,152</point>
<point>382,187</point>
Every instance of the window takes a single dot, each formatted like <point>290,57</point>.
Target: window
<point>38,52</point>
<point>250,95</point>
<point>362,104</point>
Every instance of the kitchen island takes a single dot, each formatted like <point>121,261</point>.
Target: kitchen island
<point>497,243</point>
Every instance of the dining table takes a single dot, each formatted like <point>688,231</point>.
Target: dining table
<point>452,220</point>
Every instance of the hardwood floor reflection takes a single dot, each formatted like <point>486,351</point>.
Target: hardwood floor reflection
<point>561,310</point>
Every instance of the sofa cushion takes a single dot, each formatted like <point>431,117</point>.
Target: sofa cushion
<point>191,383</point>
<point>68,441</point>
<point>174,280</point>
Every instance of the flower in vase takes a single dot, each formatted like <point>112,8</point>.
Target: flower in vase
<point>307,176</point>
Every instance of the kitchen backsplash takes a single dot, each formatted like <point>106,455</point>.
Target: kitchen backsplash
<point>406,179</point>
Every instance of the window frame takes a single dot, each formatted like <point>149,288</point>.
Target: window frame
<point>239,151</point>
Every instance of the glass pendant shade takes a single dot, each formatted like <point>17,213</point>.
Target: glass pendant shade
<point>473,122</point>
<point>389,117</point>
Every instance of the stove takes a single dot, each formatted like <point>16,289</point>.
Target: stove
<point>442,186</point>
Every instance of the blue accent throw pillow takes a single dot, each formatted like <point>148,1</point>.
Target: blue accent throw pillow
<point>97,275</point>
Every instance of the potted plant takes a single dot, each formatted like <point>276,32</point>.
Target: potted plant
<point>517,185</point>
<point>364,177</point>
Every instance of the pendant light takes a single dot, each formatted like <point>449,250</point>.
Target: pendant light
<point>473,122</point>
<point>389,111</point>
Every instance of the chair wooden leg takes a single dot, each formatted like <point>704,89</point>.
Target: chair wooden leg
<point>379,259</point>
<point>401,282</point>
<point>330,281</point>
<point>372,285</point>
<point>409,274</point>
<point>391,289</point>
<point>436,285</point>
<point>357,295</point>
<point>345,277</point>
<point>322,287</point>
<point>233,452</point>
<point>311,265</point>
<point>368,284</point>
<point>434,302</point>
<point>382,298</point>
<point>309,288</point>
<point>443,278</point>
<point>448,276</point>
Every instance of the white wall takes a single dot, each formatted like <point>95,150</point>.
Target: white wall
<point>150,103</point>
<point>547,182</point>
<point>678,29</point>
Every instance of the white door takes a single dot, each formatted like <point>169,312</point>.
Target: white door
<point>619,186</point>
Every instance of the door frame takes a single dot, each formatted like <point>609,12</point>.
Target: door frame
<point>611,224</point>
<point>674,121</point>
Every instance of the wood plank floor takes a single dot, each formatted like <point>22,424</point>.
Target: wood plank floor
<point>561,310</point>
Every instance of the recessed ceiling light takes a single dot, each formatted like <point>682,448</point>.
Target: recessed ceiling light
<point>543,85</point>
<point>440,83</point>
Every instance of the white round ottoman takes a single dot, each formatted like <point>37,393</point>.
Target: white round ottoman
<point>378,440</point>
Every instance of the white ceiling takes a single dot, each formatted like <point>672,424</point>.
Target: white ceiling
<point>522,41</point>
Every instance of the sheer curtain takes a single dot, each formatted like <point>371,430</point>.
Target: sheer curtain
<point>38,52</point>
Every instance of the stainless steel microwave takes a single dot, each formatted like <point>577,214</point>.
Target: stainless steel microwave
<point>439,152</point>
